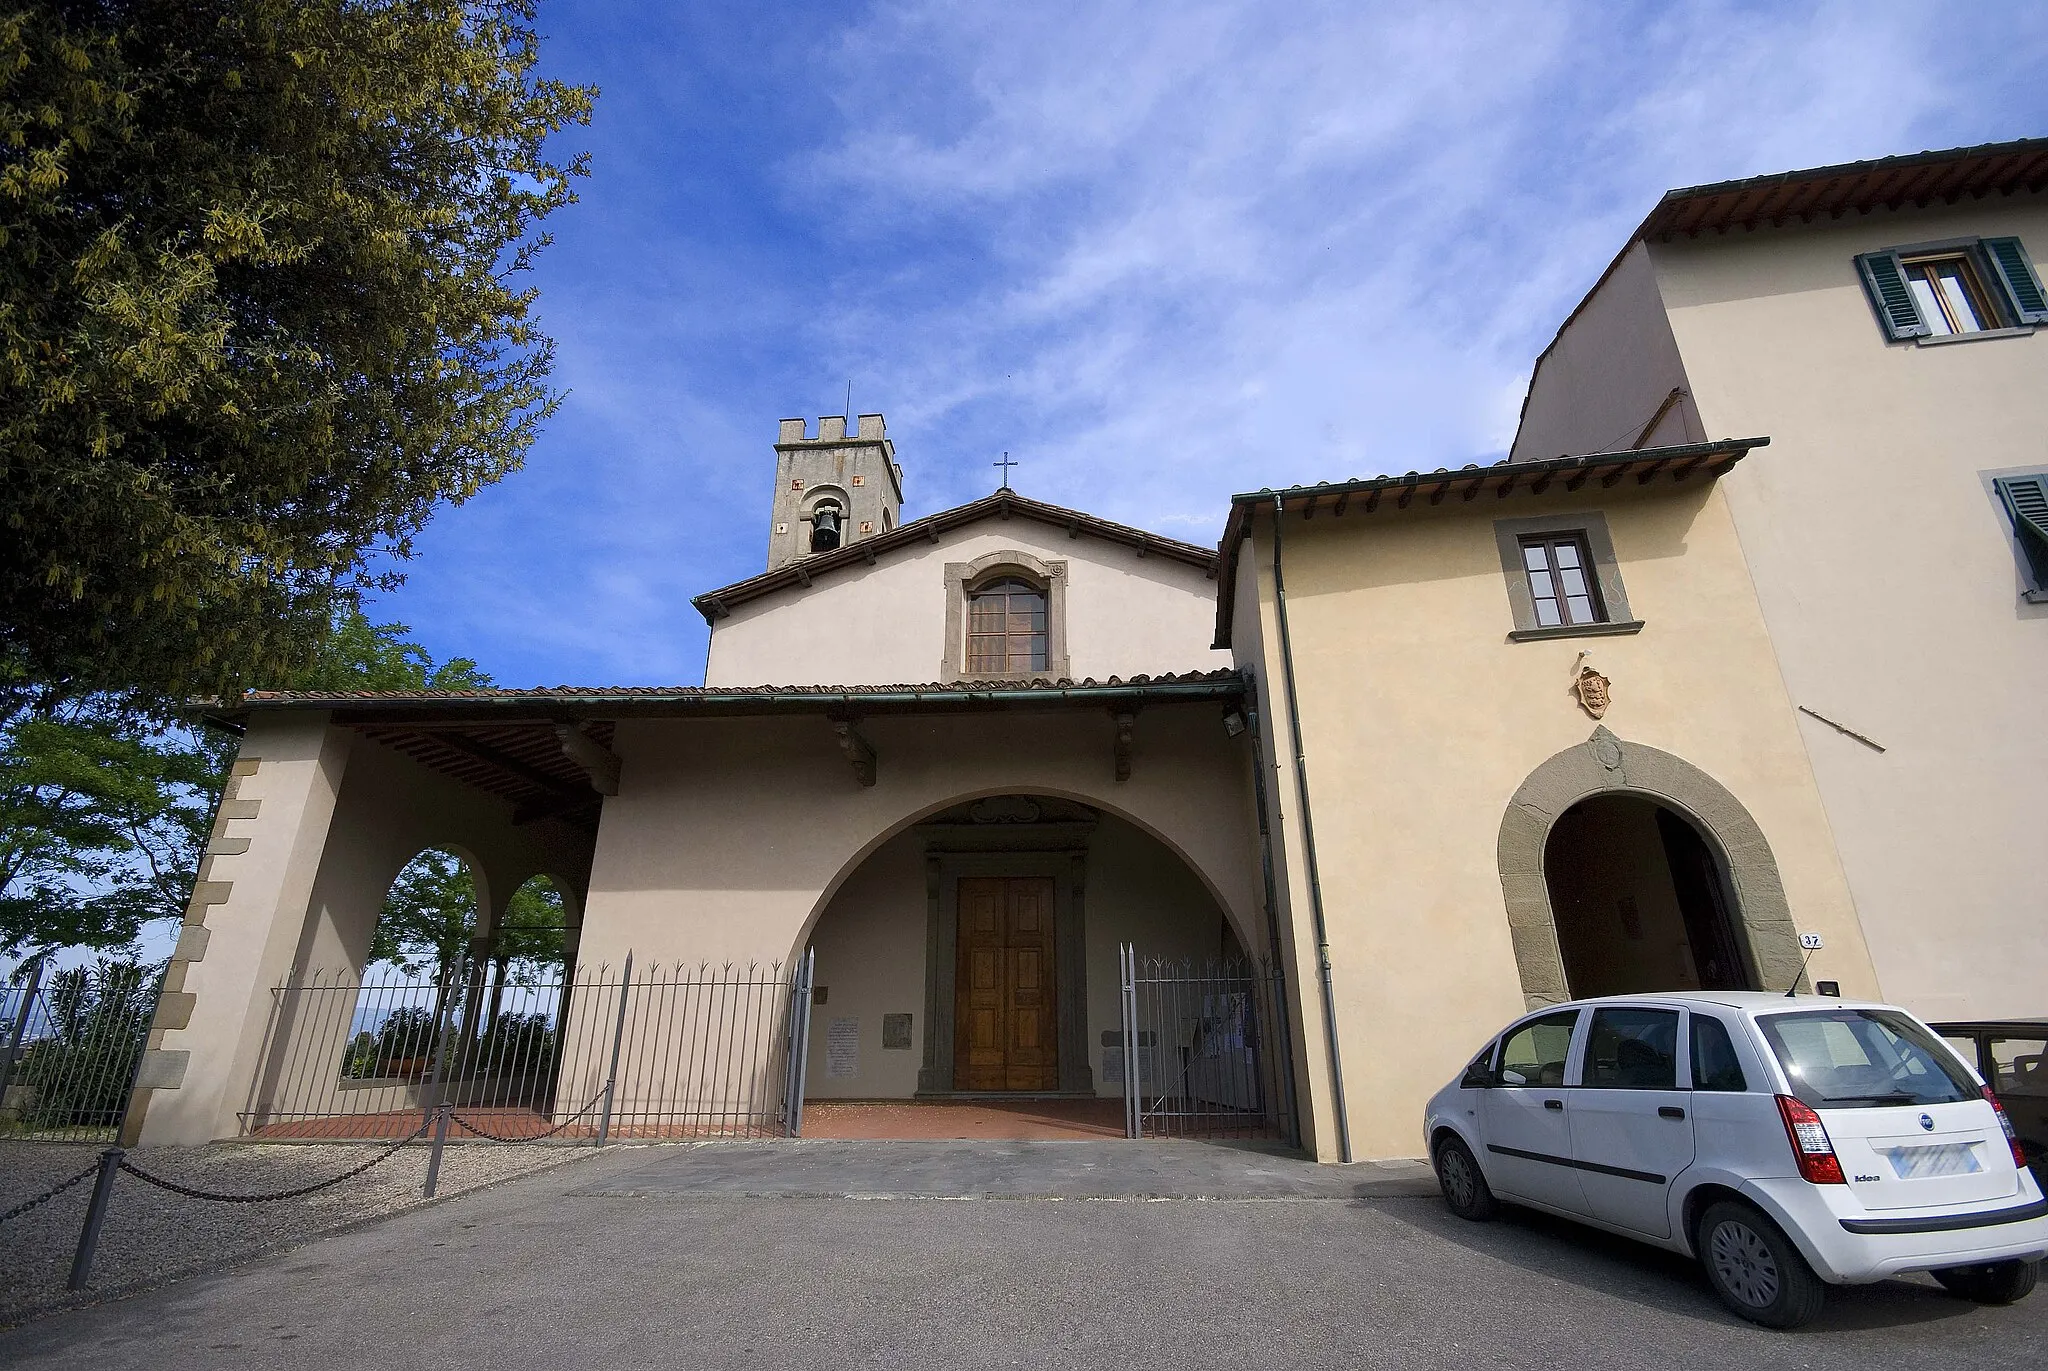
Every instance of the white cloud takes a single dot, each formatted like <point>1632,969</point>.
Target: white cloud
<point>1228,245</point>
<point>1159,253</point>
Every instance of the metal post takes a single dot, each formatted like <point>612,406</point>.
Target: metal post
<point>441,1113</point>
<point>1127,957</point>
<point>28,1004</point>
<point>800,1047</point>
<point>437,1066</point>
<point>89,1236</point>
<point>791,1035</point>
<point>435,1096</point>
<point>611,1080</point>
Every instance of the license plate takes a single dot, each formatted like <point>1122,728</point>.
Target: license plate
<point>1944,1159</point>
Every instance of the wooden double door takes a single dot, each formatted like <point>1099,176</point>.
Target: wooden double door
<point>1005,1019</point>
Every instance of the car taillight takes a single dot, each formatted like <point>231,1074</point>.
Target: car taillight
<point>2012,1139</point>
<point>1810,1145</point>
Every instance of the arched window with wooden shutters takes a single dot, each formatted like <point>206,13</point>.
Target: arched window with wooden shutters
<point>1006,628</point>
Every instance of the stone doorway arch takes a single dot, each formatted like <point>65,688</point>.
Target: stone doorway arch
<point>1605,764</point>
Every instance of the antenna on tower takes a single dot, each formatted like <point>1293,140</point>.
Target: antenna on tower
<point>849,402</point>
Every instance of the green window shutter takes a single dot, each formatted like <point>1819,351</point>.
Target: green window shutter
<point>1885,279</point>
<point>2022,283</point>
<point>2026,500</point>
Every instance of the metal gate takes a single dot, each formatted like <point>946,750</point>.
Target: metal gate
<point>1204,1049</point>
<point>70,1041</point>
<point>657,1052</point>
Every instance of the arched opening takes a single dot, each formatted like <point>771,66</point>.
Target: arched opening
<point>973,955</point>
<point>1640,901</point>
<point>428,917</point>
<point>1006,627</point>
<point>451,1003</point>
<point>1609,767</point>
<point>826,519</point>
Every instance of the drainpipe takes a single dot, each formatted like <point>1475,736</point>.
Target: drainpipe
<point>1308,840</point>
<point>1253,709</point>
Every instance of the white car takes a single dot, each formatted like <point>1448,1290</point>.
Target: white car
<point>1787,1143</point>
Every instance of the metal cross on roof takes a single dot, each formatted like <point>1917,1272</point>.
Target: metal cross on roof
<point>1005,464</point>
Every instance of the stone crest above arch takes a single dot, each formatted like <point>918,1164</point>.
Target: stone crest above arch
<point>962,577</point>
<point>1605,764</point>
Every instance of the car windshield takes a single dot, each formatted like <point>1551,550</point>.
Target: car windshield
<point>1863,1058</point>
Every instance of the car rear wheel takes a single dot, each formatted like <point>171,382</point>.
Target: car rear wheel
<point>1991,1282</point>
<point>1464,1184</point>
<point>1754,1267</point>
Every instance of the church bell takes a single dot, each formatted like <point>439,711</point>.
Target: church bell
<point>824,528</point>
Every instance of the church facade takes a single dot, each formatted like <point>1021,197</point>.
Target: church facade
<point>1439,747</point>
<point>994,741</point>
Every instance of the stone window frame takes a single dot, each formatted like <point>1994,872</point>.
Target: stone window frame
<point>1590,525</point>
<point>1049,576</point>
<point>808,503</point>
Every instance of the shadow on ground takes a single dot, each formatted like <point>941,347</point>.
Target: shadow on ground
<point>1608,1264</point>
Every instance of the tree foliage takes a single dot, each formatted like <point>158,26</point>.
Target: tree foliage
<point>430,916</point>
<point>102,820</point>
<point>260,314</point>
<point>105,808</point>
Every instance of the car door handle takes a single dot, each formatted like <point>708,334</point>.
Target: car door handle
<point>1670,1111</point>
<point>1553,1104</point>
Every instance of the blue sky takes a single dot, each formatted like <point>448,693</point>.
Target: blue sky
<point>1157,253</point>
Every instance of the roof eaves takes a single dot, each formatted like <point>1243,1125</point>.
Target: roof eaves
<point>1868,176</point>
<point>717,604</point>
<point>573,701</point>
<point>1535,478</point>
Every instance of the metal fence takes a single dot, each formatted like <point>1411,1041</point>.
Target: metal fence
<point>1204,1049</point>
<point>532,1055</point>
<point>72,1040</point>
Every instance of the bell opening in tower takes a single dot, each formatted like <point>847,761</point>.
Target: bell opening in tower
<point>825,528</point>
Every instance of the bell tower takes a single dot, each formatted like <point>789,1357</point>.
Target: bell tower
<point>832,490</point>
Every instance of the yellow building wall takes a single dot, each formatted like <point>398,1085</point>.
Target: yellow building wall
<point>1420,719</point>
<point>1887,571</point>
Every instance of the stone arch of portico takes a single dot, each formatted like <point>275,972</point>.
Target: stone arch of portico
<point>1064,855</point>
<point>1605,764</point>
<point>1241,920</point>
<point>341,919</point>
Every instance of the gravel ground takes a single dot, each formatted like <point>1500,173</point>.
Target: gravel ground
<point>153,1236</point>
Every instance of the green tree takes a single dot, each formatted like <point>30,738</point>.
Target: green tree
<point>260,314</point>
<point>105,808</point>
<point>102,820</point>
<point>430,915</point>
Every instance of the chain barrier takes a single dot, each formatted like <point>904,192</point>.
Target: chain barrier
<point>191,1192</point>
<point>489,1136</point>
<point>52,1193</point>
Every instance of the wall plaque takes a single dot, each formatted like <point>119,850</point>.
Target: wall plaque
<point>842,1048</point>
<point>896,1032</point>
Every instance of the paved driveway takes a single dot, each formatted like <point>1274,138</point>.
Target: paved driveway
<point>1075,1254</point>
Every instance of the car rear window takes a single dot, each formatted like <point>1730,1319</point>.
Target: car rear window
<point>1863,1058</point>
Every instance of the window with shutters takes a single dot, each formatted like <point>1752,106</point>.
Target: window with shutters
<point>1942,292</point>
<point>2026,503</point>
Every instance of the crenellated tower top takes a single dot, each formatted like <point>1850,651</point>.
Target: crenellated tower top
<point>832,490</point>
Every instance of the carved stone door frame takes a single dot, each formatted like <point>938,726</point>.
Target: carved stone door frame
<point>1056,850</point>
